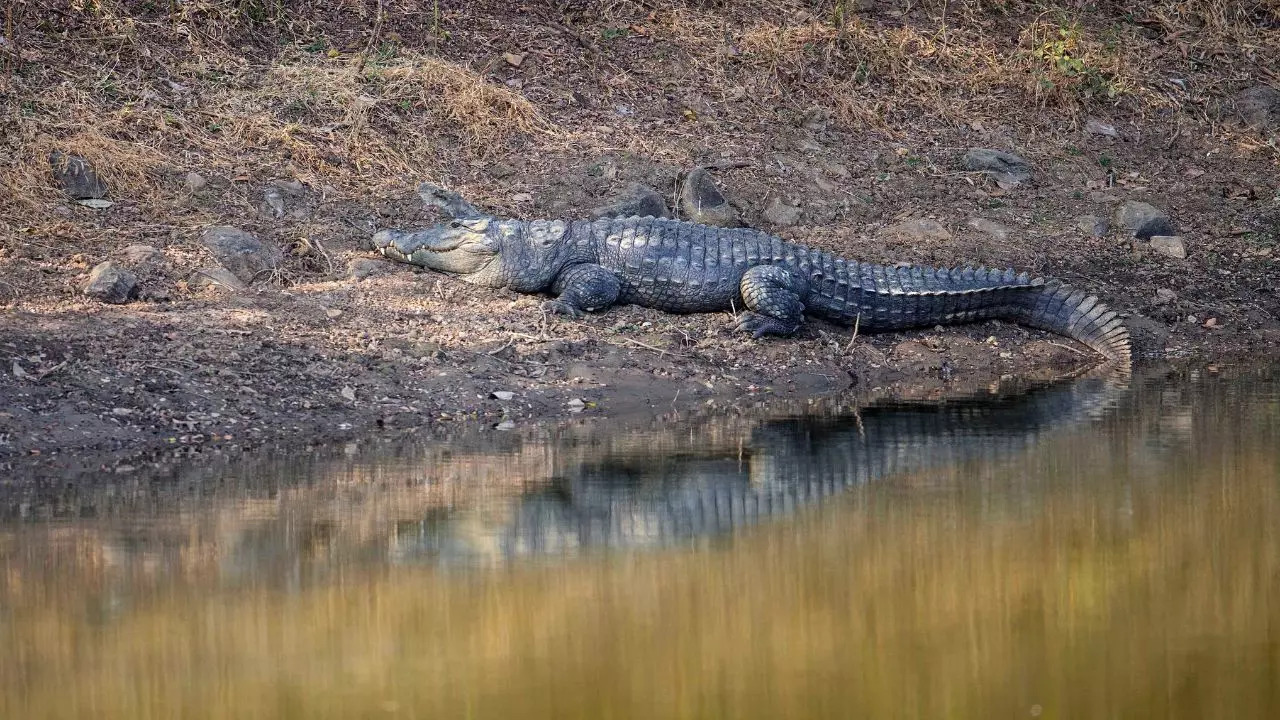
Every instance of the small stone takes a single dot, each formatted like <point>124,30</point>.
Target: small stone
<point>1009,170</point>
<point>195,182</point>
<point>295,187</point>
<point>362,268</point>
<point>62,211</point>
<point>1094,126</point>
<point>920,229</point>
<point>139,254</point>
<point>241,253</point>
<point>272,203</point>
<point>77,177</point>
<point>1170,245</point>
<point>702,202</point>
<point>781,214</point>
<point>635,201</point>
<point>333,313</point>
<point>994,229</point>
<point>522,198</point>
<point>576,405</point>
<point>1093,225</point>
<point>1211,322</point>
<point>1259,108</point>
<point>1164,296</point>
<point>216,277</point>
<point>514,59</point>
<point>839,171</point>
<point>503,395</point>
<point>505,425</point>
<point>96,203</point>
<point>1143,220</point>
<point>111,284</point>
<point>1192,319</point>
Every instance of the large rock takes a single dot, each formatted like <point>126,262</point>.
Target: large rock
<point>111,284</point>
<point>76,176</point>
<point>241,253</point>
<point>1259,108</point>
<point>702,202</point>
<point>1143,219</point>
<point>1009,170</point>
<point>1169,246</point>
<point>920,229</point>
<point>635,201</point>
<point>781,213</point>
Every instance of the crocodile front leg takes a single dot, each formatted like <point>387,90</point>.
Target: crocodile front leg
<point>583,288</point>
<point>772,295</point>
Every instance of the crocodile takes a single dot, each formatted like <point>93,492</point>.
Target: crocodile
<point>770,284</point>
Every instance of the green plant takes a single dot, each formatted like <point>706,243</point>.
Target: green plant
<point>614,33</point>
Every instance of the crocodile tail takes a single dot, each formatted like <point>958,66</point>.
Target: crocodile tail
<point>1062,309</point>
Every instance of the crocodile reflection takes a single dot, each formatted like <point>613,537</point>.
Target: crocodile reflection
<point>635,498</point>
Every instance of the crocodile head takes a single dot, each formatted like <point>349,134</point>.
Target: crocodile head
<point>520,255</point>
<point>470,248</point>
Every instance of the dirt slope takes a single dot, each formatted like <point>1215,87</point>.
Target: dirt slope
<point>309,125</point>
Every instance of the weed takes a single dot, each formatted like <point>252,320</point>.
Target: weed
<point>614,33</point>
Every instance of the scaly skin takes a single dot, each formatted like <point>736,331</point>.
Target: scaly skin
<point>683,267</point>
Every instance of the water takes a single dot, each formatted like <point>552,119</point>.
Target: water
<point>1079,551</point>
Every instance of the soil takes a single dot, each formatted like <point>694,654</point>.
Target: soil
<point>340,343</point>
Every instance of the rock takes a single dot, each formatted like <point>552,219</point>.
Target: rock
<point>994,229</point>
<point>272,203</point>
<point>1170,245</point>
<point>1259,108</point>
<point>1143,220</point>
<point>1009,170</point>
<point>839,171</point>
<point>139,254</point>
<point>216,277</point>
<point>514,59</point>
<point>702,202</point>
<point>241,253</point>
<point>293,188</point>
<point>76,176</point>
<point>195,182</point>
<point>1093,225</point>
<point>362,268</point>
<point>781,214</point>
<point>1094,126</point>
<point>920,229</point>
<point>522,198</point>
<point>503,395</point>
<point>111,284</point>
<point>635,201</point>
<point>1164,296</point>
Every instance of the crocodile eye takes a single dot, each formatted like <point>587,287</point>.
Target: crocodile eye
<point>455,224</point>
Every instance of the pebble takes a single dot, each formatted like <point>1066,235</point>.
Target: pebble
<point>702,202</point>
<point>920,229</point>
<point>1093,225</point>
<point>361,268</point>
<point>138,254</point>
<point>781,213</point>
<point>503,395</point>
<point>994,229</point>
<point>1169,245</point>
<point>1258,107</point>
<point>1095,126</point>
<point>195,182</point>
<point>111,284</point>
<point>635,200</point>
<point>1007,169</point>
<point>1143,219</point>
<point>77,177</point>
<point>240,252</point>
<point>1164,296</point>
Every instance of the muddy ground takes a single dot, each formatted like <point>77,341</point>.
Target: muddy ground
<point>575,102</point>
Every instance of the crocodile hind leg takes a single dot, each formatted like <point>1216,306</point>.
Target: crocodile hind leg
<point>583,288</point>
<point>772,296</point>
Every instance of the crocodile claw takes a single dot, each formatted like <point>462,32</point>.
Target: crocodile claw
<point>760,325</point>
<point>560,307</point>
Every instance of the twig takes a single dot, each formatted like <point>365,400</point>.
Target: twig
<point>373,39</point>
<point>645,345</point>
<point>854,337</point>
<point>511,340</point>
<point>50,371</point>
<point>1068,347</point>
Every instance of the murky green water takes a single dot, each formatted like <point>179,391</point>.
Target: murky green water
<point>1081,551</point>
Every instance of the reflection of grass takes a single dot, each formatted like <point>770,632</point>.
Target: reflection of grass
<point>1114,587</point>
